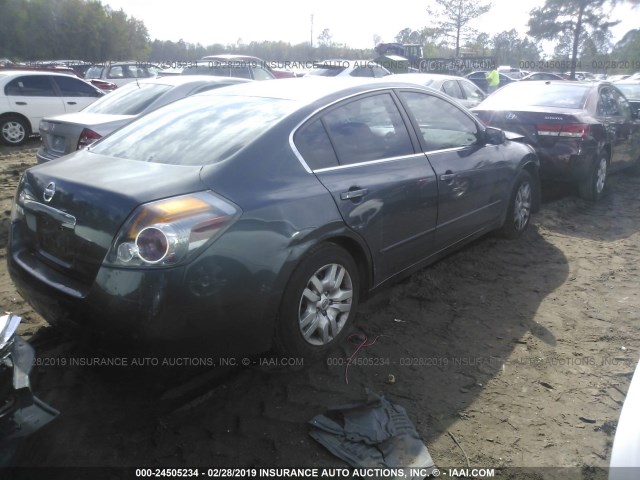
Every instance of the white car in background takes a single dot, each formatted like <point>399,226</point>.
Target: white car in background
<point>122,73</point>
<point>464,91</point>
<point>64,134</point>
<point>26,97</point>
<point>348,68</point>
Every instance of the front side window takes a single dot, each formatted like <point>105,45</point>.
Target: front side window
<point>368,129</point>
<point>72,87</point>
<point>116,72</point>
<point>451,88</point>
<point>30,86</point>
<point>441,124</point>
<point>471,91</point>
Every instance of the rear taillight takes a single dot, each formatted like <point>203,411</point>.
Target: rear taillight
<point>170,231</point>
<point>570,130</point>
<point>87,137</point>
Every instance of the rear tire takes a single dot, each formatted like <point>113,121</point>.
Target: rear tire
<point>592,188</point>
<point>14,131</point>
<point>520,205</point>
<point>319,303</point>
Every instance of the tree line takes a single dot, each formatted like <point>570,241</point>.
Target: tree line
<point>88,30</point>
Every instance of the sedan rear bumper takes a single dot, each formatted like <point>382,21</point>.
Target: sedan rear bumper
<point>565,162</point>
<point>173,310</point>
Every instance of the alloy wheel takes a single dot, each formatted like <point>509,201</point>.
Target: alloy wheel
<point>325,304</point>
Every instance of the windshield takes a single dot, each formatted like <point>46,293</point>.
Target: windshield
<point>539,94</point>
<point>199,130</point>
<point>131,99</point>
<point>630,90</point>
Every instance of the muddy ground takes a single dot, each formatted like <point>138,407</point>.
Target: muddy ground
<point>506,354</point>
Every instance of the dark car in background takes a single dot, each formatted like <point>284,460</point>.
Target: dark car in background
<point>237,66</point>
<point>480,79</point>
<point>580,130</point>
<point>256,216</point>
<point>67,133</point>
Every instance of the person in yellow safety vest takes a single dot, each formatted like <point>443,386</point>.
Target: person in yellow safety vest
<point>493,80</point>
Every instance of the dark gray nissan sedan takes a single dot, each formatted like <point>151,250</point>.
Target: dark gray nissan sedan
<point>256,217</point>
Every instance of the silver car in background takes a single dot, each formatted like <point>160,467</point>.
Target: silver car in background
<point>64,134</point>
<point>464,91</point>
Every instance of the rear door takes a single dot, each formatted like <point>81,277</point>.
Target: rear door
<point>472,176</point>
<point>34,97</point>
<point>362,152</point>
<point>614,113</point>
<point>75,93</point>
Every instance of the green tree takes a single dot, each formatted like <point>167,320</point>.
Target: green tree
<point>510,49</point>
<point>562,18</point>
<point>454,16</point>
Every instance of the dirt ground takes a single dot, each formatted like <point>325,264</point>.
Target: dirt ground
<point>506,354</point>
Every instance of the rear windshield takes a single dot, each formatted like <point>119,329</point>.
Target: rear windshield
<point>539,94</point>
<point>327,70</point>
<point>94,72</point>
<point>131,99</point>
<point>199,130</point>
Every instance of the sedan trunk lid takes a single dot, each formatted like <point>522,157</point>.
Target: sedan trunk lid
<point>75,207</point>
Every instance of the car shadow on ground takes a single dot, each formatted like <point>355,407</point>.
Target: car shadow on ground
<point>440,336</point>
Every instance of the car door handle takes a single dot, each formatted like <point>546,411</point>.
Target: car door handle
<point>21,103</point>
<point>448,177</point>
<point>351,194</point>
<point>71,103</point>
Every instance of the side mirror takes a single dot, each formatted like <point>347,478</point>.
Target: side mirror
<point>494,136</point>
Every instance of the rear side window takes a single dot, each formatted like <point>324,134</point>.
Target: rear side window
<point>198,130</point>
<point>368,129</point>
<point>131,99</point>
<point>315,147</point>
<point>72,87</point>
<point>30,86</point>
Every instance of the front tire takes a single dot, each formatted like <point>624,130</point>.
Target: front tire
<point>319,303</point>
<point>592,188</point>
<point>14,131</point>
<point>520,204</point>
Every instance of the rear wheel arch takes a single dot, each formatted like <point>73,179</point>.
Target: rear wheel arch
<point>303,317</point>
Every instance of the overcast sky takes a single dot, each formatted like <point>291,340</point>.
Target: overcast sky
<point>352,22</point>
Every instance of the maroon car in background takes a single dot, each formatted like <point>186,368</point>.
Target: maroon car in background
<point>581,131</point>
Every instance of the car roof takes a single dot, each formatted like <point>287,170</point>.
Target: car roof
<point>231,56</point>
<point>423,76</point>
<point>176,80</point>
<point>310,89</point>
<point>16,73</point>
